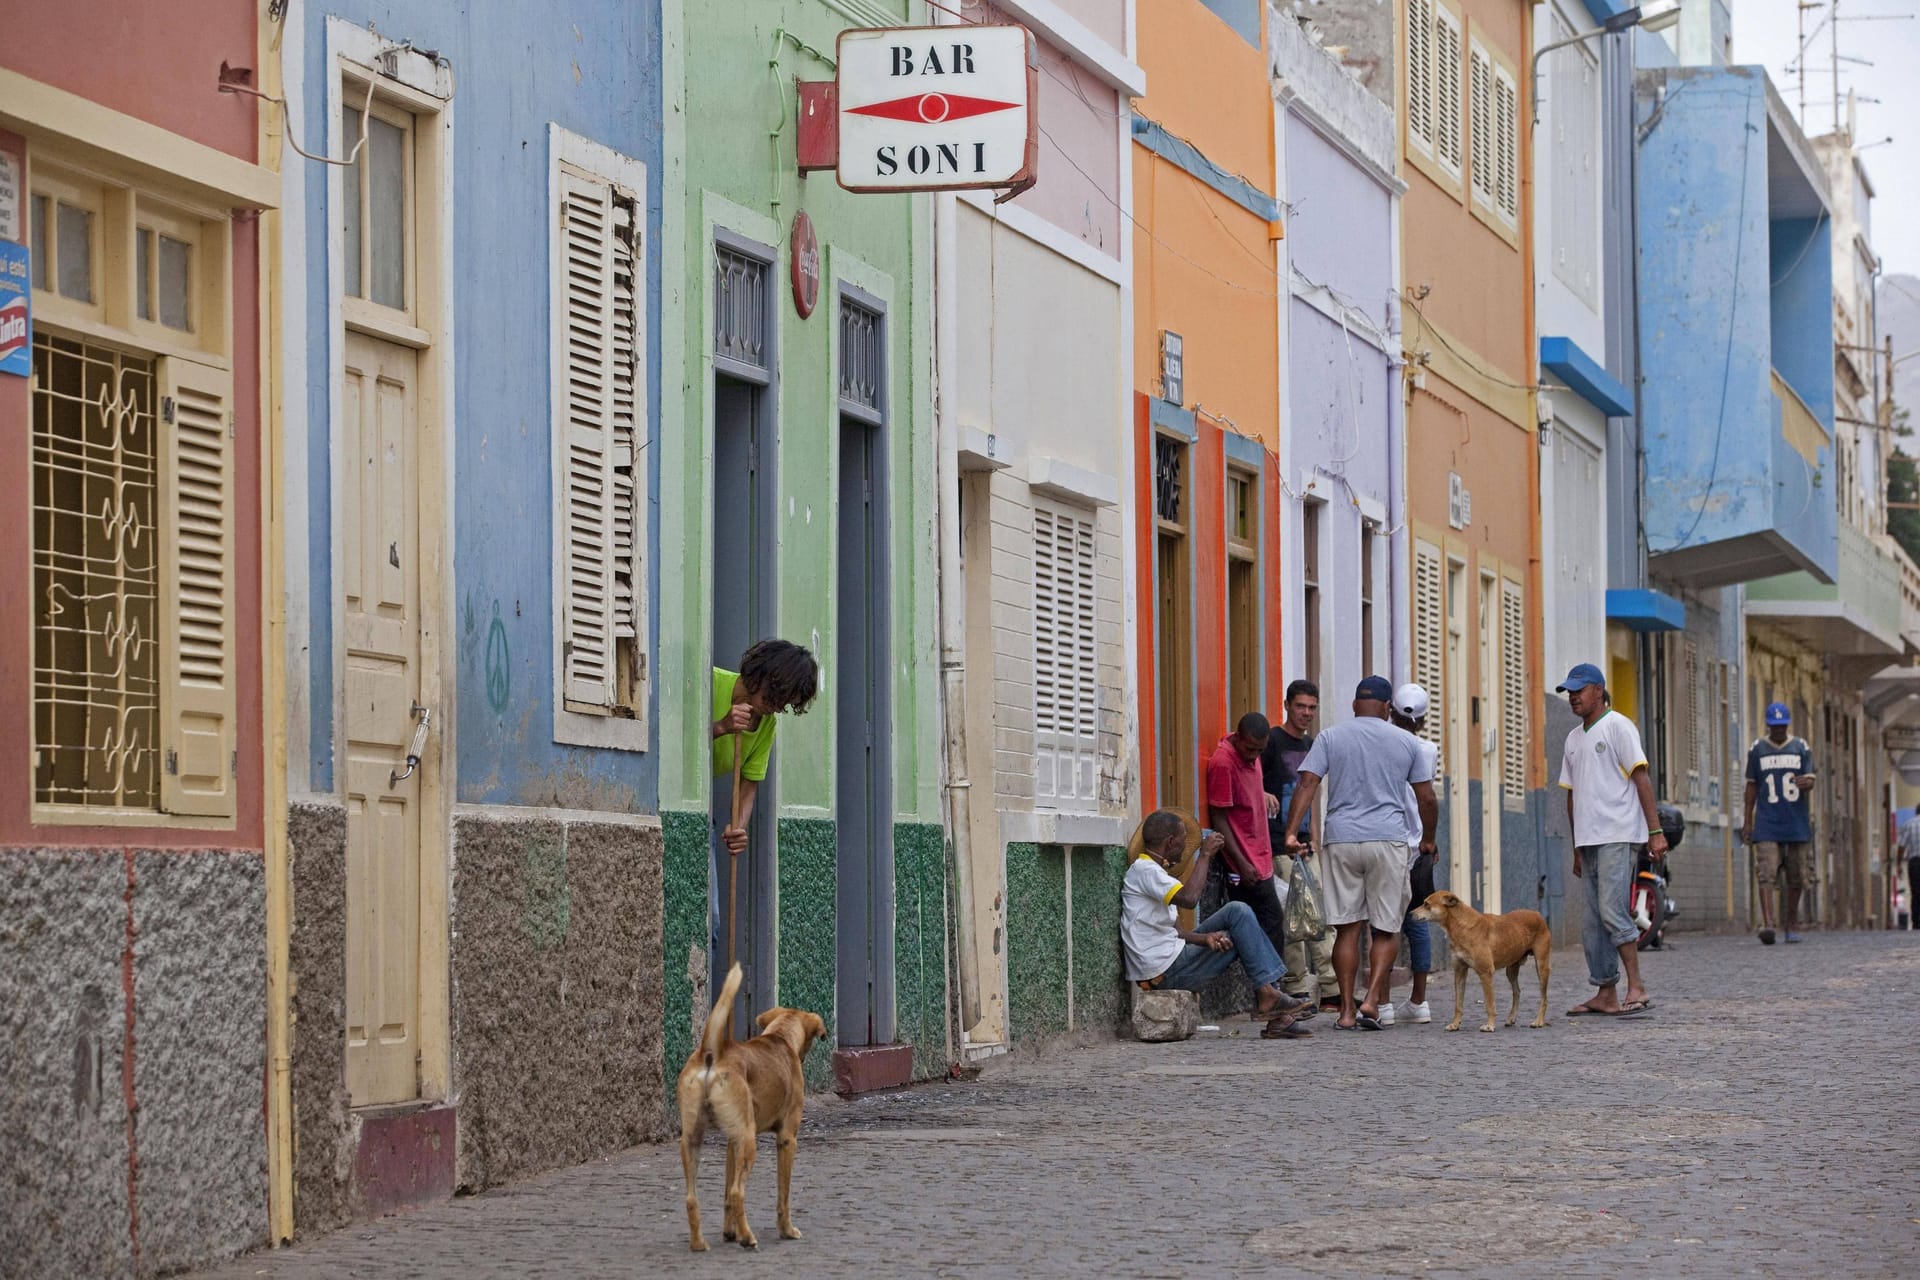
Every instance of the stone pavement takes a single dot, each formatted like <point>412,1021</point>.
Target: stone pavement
<point>1758,1121</point>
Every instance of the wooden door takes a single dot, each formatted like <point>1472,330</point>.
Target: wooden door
<point>380,577</point>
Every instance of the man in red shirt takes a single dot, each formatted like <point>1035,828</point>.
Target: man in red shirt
<point>1237,809</point>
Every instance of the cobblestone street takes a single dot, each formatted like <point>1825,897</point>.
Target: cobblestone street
<point>1757,1121</point>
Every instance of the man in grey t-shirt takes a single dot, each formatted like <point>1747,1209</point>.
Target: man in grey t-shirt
<point>1368,765</point>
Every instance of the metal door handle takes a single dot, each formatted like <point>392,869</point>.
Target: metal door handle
<point>414,748</point>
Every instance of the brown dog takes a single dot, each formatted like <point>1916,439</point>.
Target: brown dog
<point>747,1088</point>
<point>1485,943</point>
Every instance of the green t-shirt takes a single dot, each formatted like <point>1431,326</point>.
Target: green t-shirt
<point>757,741</point>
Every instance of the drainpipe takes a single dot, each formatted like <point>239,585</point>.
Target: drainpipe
<point>952,587</point>
<point>1535,647</point>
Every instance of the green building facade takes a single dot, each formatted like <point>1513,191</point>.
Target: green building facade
<point>797,500</point>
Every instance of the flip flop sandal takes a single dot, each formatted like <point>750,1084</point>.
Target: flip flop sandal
<point>1368,1022</point>
<point>1288,1032</point>
<point>1348,1027</point>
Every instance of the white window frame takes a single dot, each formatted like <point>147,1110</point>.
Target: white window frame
<point>1449,71</point>
<point>1419,77</point>
<point>581,728</point>
<point>1506,144</point>
<point>1082,749</point>
<point>1481,134</point>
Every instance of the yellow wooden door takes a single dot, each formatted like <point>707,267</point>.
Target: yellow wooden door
<point>381,630</point>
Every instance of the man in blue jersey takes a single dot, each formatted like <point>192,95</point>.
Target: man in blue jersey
<point>1779,818</point>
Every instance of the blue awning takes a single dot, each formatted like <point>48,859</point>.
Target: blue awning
<point>1563,358</point>
<point>1645,610</point>
<point>1604,9</point>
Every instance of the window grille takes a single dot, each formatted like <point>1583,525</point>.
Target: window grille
<point>96,568</point>
<point>1169,463</point>
<point>1480,123</point>
<point>1420,75</point>
<point>862,374</point>
<point>740,307</point>
<point>1513,693</point>
<point>1446,79</point>
<point>1429,638</point>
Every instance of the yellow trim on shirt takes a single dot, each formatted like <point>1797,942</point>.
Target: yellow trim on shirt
<point>1566,786</point>
<point>1168,900</point>
<point>1628,773</point>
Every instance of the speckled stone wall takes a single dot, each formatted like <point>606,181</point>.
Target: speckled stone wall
<point>808,879</point>
<point>558,986</point>
<point>317,959</point>
<point>63,1033</point>
<point>131,1148</point>
<point>1036,941</point>
<point>200,1055</point>
<point>685,851</point>
<point>1099,997</point>
<point>920,943</point>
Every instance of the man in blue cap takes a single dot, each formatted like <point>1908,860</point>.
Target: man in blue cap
<point>1610,805</point>
<point>1779,820</point>
<point>1368,765</point>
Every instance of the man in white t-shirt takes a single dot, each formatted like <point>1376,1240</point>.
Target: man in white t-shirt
<point>1160,954</point>
<point>1410,715</point>
<point>1610,806</point>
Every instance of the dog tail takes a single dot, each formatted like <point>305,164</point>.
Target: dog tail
<point>719,1031</point>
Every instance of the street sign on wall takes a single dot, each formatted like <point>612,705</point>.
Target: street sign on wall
<point>937,108</point>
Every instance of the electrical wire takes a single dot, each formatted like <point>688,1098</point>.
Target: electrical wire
<point>353,156</point>
<point>1427,326</point>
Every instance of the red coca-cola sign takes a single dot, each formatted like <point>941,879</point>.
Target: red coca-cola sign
<point>803,255</point>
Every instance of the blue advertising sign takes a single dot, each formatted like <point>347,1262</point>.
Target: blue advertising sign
<point>16,315</point>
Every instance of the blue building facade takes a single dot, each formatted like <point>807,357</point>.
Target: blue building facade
<point>471,275</point>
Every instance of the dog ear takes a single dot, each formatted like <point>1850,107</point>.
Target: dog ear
<point>816,1028</point>
<point>765,1020</point>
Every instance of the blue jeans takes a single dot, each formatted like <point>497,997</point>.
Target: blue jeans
<point>1196,964</point>
<point>1419,944</point>
<point>1608,870</point>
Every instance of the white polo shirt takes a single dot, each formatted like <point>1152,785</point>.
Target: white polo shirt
<point>1597,767</point>
<point>1149,925</point>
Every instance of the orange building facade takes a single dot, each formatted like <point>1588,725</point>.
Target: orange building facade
<point>1467,325</point>
<point>1206,398</point>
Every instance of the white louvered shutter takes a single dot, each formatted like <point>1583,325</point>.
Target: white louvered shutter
<point>1065,665</point>
<point>1506,147</point>
<point>1513,693</point>
<point>600,606</point>
<point>1480,145</point>
<point>197,692</point>
<point>1420,75</point>
<point>1446,96</point>
<point>1429,637</point>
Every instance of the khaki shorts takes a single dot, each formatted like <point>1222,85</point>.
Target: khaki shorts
<point>1367,881</point>
<point>1773,859</point>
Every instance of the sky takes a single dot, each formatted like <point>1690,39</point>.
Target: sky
<point>1764,32</point>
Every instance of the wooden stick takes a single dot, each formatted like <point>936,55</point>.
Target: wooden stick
<point>733,866</point>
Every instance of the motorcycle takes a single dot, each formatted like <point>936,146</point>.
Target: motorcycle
<point>1652,908</point>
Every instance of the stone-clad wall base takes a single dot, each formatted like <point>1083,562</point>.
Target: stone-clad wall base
<point>685,838</point>
<point>809,879</point>
<point>323,1138</point>
<point>1063,941</point>
<point>1036,942</point>
<point>177,939</point>
<point>920,944</point>
<point>1100,1001</point>
<point>558,988</point>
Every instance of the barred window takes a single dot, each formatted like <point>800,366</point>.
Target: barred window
<point>740,307</point>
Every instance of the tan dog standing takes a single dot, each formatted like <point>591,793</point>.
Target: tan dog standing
<point>747,1088</point>
<point>1485,943</point>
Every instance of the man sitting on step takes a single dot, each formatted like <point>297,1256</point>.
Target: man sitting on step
<point>1162,956</point>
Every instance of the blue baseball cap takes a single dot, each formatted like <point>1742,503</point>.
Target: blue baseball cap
<point>1777,713</point>
<point>1581,677</point>
<point>1374,689</point>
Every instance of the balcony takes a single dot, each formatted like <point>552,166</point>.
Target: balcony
<point>1909,592</point>
<point>1861,614</point>
<point>1735,284</point>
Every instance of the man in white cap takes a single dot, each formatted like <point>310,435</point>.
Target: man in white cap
<point>1409,712</point>
<point>1368,764</point>
<point>1610,808</point>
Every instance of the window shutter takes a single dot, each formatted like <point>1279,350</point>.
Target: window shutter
<point>1513,692</point>
<point>1480,124</point>
<point>1446,77</point>
<point>1420,75</point>
<point>1065,667</point>
<point>198,677</point>
<point>1429,638</point>
<point>602,602</point>
<point>1506,147</point>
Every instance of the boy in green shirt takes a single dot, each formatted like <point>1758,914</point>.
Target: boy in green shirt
<point>776,676</point>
